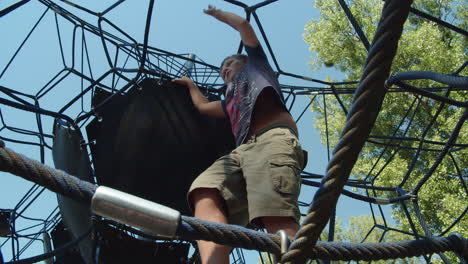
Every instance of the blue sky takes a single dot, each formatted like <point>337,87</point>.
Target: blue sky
<point>177,26</point>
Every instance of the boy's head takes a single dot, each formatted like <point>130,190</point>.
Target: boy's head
<point>232,65</point>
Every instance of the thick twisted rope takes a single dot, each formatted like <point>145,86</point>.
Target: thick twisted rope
<point>236,236</point>
<point>191,228</point>
<point>388,250</point>
<point>360,120</point>
<point>451,80</point>
<point>55,180</point>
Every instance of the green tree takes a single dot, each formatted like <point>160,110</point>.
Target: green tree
<point>424,45</point>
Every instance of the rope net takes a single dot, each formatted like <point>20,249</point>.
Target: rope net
<point>410,174</point>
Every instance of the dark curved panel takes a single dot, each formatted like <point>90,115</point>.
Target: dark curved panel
<point>69,156</point>
<point>153,143</point>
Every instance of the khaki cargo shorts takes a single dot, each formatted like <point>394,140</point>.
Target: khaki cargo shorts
<point>259,178</point>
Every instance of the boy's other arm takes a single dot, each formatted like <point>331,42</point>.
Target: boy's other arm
<point>200,102</point>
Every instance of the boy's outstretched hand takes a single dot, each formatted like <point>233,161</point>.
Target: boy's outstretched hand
<point>211,10</point>
<point>238,23</point>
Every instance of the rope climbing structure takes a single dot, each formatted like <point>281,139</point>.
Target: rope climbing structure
<point>129,64</point>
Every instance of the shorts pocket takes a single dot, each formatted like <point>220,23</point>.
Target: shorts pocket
<point>285,176</point>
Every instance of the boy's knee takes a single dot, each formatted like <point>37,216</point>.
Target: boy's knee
<point>202,192</point>
<point>275,223</point>
<point>205,194</point>
<point>207,197</point>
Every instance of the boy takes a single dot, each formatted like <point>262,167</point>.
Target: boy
<point>259,181</point>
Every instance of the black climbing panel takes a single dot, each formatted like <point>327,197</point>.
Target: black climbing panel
<point>151,142</point>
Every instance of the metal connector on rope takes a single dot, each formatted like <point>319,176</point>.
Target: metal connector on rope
<point>284,245</point>
<point>134,211</point>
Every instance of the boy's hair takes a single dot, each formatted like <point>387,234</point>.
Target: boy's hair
<point>240,57</point>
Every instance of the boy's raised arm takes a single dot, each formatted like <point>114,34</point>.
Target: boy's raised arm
<point>248,36</point>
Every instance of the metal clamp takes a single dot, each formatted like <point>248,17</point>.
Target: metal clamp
<point>284,245</point>
<point>135,211</point>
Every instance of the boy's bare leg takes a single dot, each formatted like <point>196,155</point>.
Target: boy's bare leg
<point>209,205</point>
<point>275,223</point>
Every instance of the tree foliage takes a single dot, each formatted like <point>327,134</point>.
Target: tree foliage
<point>424,45</point>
